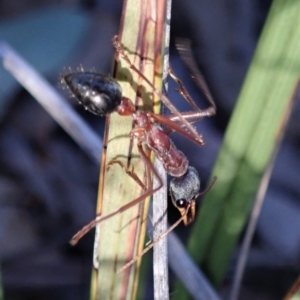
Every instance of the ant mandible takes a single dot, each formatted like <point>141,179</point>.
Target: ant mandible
<point>102,95</point>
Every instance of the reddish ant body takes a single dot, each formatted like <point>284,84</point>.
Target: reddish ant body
<point>102,95</point>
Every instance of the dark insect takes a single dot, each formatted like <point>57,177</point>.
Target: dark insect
<point>102,95</point>
<point>99,94</point>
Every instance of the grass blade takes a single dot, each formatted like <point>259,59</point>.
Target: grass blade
<point>294,292</point>
<point>256,210</point>
<point>252,134</point>
<point>250,140</point>
<point>122,237</point>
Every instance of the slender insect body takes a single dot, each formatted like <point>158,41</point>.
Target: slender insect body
<point>149,132</point>
<point>102,95</point>
<point>174,161</point>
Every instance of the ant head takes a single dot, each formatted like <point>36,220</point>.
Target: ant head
<point>98,93</point>
<point>184,191</point>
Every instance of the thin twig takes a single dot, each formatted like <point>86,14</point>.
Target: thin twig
<point>53,103</point>
<point>160,255</point>
<point>160,199</point>
<point>259,200</point>
<point>190,275</point>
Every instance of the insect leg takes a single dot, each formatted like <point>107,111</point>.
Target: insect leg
<point>163,97</point>
<point>154,242</point>
<point>182,90</point>
<point>149,167</point>
<point>129,172</point>
<point>197,114</point>
<point>184,49</point>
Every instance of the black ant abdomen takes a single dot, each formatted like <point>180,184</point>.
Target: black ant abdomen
<point>99,94</point>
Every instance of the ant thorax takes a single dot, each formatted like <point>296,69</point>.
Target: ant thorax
<point>142,120</point>
<point>174,161</point>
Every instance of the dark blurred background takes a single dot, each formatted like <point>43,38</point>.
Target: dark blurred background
<point>48,185</point>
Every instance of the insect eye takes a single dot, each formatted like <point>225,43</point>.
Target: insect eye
<point>181,203</point>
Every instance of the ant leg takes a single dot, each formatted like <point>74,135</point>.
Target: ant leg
<point>198,114</point>
<point>155,241</point>
<point>191,116</point>
<point>187,209</point>
<point>149,192</point>
<point>184,48</point>
<point>172,126</point>
<point>129,172</point>
<point>182,90</point>
<point>166,101</point>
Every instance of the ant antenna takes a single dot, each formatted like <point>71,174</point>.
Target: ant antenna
<point>155,241</point>
<point>187,209</point>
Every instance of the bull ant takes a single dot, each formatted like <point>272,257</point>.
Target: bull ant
<point>102,95</point>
